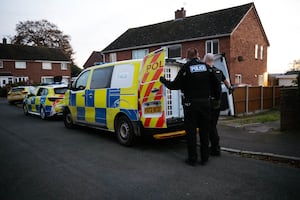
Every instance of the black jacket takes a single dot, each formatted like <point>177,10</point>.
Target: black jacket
<point>196,80</point>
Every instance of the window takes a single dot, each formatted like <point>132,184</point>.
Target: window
<point>112,57</point>
<point>122,76</point>
<point>63,66</point>
<point>46,65</point>
<point>238,79</point>
<point>261,52</point>
<point>1,64</point>
<point>20,65</point>
<point>141,53</point>
<point>47,79</point>
<point>4,82</point>
<point>60,90</point>
<point>256,51</point>
<point>42,92</point>
<point>101,78</point>
<point>81,82</point>
<point>212,46</point>
<point>174,51</point>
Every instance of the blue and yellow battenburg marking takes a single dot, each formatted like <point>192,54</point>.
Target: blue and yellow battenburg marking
<point>102,105</point>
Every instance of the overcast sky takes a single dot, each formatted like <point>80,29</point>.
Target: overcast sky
<point>94,24</point>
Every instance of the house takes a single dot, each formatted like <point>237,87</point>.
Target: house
<point>236,32</point>
<point>20,63</point>
<point>288,79</point>
<point>94,59</point>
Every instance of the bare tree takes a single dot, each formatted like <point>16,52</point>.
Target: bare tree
<point>42,33</point>
<point>295,65</point>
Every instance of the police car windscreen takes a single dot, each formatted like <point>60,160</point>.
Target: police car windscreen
<point>60,90</point>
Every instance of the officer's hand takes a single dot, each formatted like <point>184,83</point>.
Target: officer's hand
<point>230,90</point>
<point>162,79</point>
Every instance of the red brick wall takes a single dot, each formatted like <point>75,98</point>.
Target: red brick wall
<point>34,70</point>
<point>242,42</point>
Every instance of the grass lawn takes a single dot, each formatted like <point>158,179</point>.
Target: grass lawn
<point>268,116</point>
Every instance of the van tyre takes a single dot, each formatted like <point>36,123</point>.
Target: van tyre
<point>25,109</point>
<point>68,119</point>
<point>125,132</point>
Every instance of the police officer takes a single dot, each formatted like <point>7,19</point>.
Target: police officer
<point>197,82</point>
<point>215,109</point>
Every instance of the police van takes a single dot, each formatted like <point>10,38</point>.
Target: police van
<point>127,98</point>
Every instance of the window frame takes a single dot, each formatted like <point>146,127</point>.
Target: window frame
<point>256,51</point>
<point>261,52</point>
<point>104,84</point>
<point>113,57</point>
<point>212,46</point>
<point>64,66</point>
<point>45,66</point>
<point>20,65</point>
<point>239,76</point>
<point>81,87</point>
<point>139,53</point>
<point>174,46</point>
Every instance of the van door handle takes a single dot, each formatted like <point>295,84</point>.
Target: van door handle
<point>154,90</point>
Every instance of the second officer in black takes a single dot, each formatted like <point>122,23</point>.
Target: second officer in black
<point>197,82</point>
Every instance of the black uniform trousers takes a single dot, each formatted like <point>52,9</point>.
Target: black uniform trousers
<point>197,116</point>
<point>213,132</point>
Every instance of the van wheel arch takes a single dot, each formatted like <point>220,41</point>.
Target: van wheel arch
<point>124,130</point>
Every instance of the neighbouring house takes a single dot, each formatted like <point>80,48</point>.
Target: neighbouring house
<point>288,79</point>
<point>94,59</point>
<point>31,65</point>
<point>236,32</point>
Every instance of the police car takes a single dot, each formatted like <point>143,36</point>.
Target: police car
<point>18,94</point>
<point>46,101</point>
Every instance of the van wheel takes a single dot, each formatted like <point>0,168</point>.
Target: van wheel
<point>43,113</point>
<point>25,109</point>
<point>68,119</point>
<point>124,131</point>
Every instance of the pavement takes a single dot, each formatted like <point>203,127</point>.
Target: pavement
<point>261,139</point>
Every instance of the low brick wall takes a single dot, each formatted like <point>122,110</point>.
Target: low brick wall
<point>290,109</point>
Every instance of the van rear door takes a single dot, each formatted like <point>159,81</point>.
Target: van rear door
<point>151,99</point>
<point>227,104</point>
<point>173,105</point>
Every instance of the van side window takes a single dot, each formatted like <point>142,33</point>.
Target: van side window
<point>101,78</point>
<point>81,82</point>
<point>122,76</point>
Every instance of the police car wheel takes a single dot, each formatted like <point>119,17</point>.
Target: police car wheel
<point>124,131</point>
<point>68,119</point>
<point>25,109</point>
<point>43,113</point>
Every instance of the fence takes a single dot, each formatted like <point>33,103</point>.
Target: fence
<point>252,99</point>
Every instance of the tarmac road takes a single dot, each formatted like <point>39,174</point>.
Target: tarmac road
<point>43,160</point>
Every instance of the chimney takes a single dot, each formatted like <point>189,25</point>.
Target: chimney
<point>179,14</point>
<point>4,41</point>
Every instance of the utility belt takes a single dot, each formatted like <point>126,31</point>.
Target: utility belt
<point>196,102</point>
